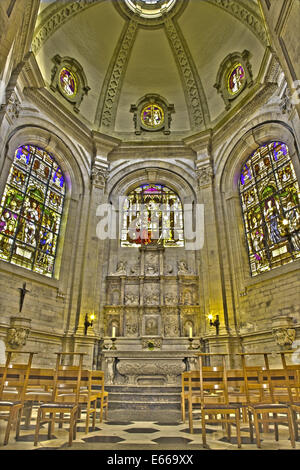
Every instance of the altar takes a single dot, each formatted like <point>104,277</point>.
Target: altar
<point>147,367</point>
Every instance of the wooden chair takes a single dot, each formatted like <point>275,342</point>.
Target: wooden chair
<point>58,410</point>
<point>88,396</point>
<point>98,383</point>
<point>268,409</point>
<point>12,392</point>
<point>293,374</point>
<point>39,390</point>
<point>215,406</point>
<point>191,394</point>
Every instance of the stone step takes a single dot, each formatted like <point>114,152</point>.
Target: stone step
<point>142,389</point>
<point>143,405</point>
<point>129,397</point>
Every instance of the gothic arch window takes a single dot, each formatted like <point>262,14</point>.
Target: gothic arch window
<point>269,194</point>
<point>152,215</point>
<point>31,210</point>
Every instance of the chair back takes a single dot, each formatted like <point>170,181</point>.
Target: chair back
<point>213,382</point>
<point>15,378</point>
<point>67,378</point>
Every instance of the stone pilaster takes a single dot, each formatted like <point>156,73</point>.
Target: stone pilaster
<point>93,246</point>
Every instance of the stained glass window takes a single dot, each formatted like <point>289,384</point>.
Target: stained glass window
<point>152,116</point>
<point>270,196</point>
<point>31,210</point>
<point>236,79</point>
<point>67,82</point>
<point>152,215</point>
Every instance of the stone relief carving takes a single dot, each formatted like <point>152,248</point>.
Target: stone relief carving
<point>171,299</point>
<point>12,107</point>
<point>205,175</point>
<point>171,326</point>
<point>121,269</point>
<point>151,326</point>
<point>99,177</point>
<point>131,326</point>
<point>183,267</point>
<point>284,336</point>
<point>17,337</point>
<point>169,269</point>
<point>156,342</point>
<point>131,299</point>
<point>18,332</point>
<point>151,300</point>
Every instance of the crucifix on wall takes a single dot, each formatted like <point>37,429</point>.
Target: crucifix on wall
<point>23,292</point>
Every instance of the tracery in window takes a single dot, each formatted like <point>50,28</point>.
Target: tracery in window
<point>270,197</point>
<point>152,215</point>
<point>31,210</point>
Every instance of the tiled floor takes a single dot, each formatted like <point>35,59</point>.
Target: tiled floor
<point>114,435</point>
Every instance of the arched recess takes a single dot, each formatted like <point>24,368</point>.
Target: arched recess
<point>229,178</point>
<point>52,143</point>
<point>123,182</point>
<point>134,175</point>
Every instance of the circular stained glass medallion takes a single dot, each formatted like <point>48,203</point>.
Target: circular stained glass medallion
<point>236,79</point>
<point>67,83</point>
<point>152,116</point>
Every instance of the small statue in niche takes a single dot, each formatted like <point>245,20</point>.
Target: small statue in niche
<point>110,364</point>
<point>182,267</point>
<point>187,297</point>
<point>121,269</point>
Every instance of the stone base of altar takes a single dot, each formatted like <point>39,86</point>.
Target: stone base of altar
<point>145,367</point>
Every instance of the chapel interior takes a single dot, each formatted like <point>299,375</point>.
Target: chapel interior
<point>149,194</point>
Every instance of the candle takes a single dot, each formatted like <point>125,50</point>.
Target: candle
<point>113,331</point>
<point>191,332</point>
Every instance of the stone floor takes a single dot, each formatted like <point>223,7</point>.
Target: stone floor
<point>148,435</point>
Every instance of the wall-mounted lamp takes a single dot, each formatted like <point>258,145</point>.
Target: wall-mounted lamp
<point>214,322</point>
<point>89,320</point>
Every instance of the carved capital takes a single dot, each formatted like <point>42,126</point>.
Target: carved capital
<point>205,176</point>
<point>99,177</point>
<point>12,107</point>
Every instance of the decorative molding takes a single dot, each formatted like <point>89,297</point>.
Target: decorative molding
<point>109,97</point>
<point>152,99</point>
<point>225,69</point>
<point>75,68</point>
<point>196,100</point>
<point>51,20</point>
<point>53,17</point>
<point>246,15</point>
